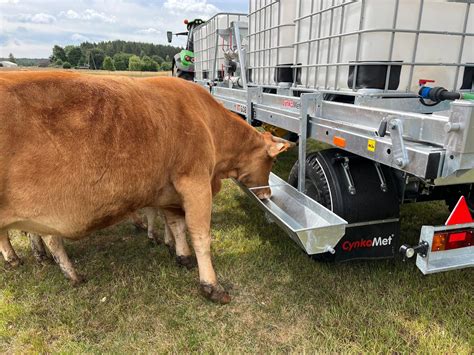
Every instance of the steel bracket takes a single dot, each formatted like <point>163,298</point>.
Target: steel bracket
<point>400,154</point>
<point>306,101</point>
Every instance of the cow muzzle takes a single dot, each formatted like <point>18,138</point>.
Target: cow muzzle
<point>264,193</point>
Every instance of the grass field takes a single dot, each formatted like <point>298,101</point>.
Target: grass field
<point>137,299</point>
<point>137,74</point>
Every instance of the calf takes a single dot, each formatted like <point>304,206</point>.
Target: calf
<point>80,153</point>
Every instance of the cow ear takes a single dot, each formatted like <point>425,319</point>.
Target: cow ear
<point>273,149</point>
<point>276,145</point>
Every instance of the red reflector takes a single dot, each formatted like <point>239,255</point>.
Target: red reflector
<point>460,214</point>
<point>453,240</point>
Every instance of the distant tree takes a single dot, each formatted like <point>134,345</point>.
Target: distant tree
<point>96,57</point>
<point>149,64</point>
<point>93,54</point>
<point>67,65</point>
<point>58,63</point>
<point>11,58</point>
<point>73,54</point>
<point>58,53</point>
<point>134,63</point>
<point>108,64</point>
<point>157,59</point>
<point>121,61</point>
<point>166,66</point>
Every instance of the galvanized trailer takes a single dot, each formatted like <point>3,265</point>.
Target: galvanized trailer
<point>346,73</point>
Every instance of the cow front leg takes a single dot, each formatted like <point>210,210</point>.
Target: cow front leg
<point>197,203</point>
<point>11,259</point>
<point>56,247</point>
<point>177,224</point>
<point>38,248</point>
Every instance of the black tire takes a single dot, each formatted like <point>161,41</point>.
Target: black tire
<point>181,74</point>
<point>317,187</point>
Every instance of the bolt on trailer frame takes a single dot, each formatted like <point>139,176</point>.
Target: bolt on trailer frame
<point>430,145</point>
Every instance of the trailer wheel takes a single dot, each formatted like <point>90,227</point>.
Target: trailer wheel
<point>360,191</point>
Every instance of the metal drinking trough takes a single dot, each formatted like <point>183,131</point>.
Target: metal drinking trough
<point>312,226</point>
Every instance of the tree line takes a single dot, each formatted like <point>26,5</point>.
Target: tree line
<point>114,55</point>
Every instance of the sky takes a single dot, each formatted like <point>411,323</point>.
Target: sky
<point>30,28</point>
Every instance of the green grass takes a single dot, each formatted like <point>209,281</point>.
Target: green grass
<point>137,299</point>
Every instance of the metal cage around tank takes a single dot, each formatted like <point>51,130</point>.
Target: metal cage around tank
<point>353,44</point>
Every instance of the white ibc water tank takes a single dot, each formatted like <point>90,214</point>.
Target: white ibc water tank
<point>345,31</point>
<point>271,38</point>
<point>206,39</point>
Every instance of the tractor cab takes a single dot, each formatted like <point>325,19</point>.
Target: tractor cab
<point>183,62</point>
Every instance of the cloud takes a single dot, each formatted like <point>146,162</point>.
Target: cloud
<point>197,7</point>
<point>149,31</point>
<point>87,15</point>
<point>41,18</point>
<point>97,20</point>
<point>77,37</point>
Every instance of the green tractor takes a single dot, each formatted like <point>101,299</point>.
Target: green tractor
<point>183,62</point>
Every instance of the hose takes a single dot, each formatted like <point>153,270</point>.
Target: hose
<point>438,94</point>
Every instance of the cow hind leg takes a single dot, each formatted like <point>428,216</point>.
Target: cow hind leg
<point>38,248</point>
<point>137,222</point>
<point>177,226</point>
<point>197,202</point>
<point>169,240</point>
<point>56,247</point>
<point>151,216</point>
<point>11,259</point>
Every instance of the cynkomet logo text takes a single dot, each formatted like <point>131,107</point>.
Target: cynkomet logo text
<point>366,243</point>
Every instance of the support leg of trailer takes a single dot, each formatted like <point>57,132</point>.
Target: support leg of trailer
<point>243,73</point>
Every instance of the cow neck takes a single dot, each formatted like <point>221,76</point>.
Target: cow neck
<point>235,140</point>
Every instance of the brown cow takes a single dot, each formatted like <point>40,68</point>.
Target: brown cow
<point>80,153</point>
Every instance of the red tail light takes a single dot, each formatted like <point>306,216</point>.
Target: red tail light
<point>453,240</point>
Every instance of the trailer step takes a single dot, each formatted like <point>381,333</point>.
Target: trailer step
<point>312,226</point>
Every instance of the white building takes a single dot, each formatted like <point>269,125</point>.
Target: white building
<point>7,64</point>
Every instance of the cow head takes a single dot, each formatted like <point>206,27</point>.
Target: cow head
<point>256,166</point>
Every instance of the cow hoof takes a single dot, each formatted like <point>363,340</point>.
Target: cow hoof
<point>215,293</point>
<point>44,259</point>
<point>188,261</point>
<point>13,263</point>
<point>79,280</point>
<point>140,227</point>
<point>171,249</point>
<point>154,239</point>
